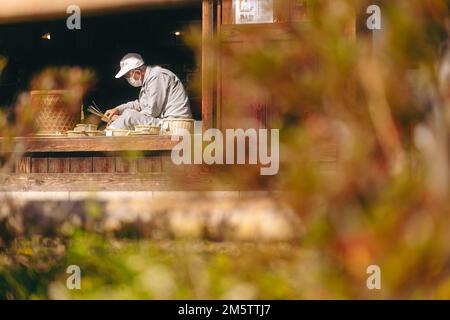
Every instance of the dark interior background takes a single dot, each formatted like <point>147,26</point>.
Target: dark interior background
<point>100,44</point>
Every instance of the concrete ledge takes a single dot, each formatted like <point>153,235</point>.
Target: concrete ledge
<point>148,195</point>
<point>227,218</point>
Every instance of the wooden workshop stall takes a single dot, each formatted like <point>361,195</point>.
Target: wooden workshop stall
<point>143,162</point>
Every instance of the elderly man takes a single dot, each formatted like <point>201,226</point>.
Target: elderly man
<point>162,95</point>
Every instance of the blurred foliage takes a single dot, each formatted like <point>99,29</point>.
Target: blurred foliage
<point>131,269</point>
<point>382,104</point>
<point>74,82</point>
<point>19,120</point>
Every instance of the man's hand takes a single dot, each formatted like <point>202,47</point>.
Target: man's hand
<point>114,117</point>
<point>112,114</point>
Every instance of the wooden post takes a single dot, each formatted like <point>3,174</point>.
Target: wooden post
<point>207,64</point>
<point>218,99</point>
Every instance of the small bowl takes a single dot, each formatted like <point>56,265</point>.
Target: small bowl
<point>48,133</point>
<point>147,129</point>
<point>95,133</point>
<point>120,132</point>
<point>76,133</point>
<point>85,127</point>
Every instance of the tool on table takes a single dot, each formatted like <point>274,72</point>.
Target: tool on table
<point>95,110</point>
<point>82,114</point>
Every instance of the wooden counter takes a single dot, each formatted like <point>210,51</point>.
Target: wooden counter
<point>102,163</point>
<point>73,144</point>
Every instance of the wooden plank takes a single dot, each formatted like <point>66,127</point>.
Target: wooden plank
<point>112,182</point>
<point>227,12</point>
<point>81,164</point>
<point>103,164</point>
<point>218,97</point>
<point>28,10</point>
<point>207,64</point>
<point>156,164</point>
<point>126,164</point>
<point>39,165</point>
<point>23,165</point>
<point>151,162</point>
<point>169,167</point>
<point>58,165</point>
<point>100,144</point>
<point>144,164</point>
<point>250,33</point>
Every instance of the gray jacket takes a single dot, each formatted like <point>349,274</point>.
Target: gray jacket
<point>162,95</point>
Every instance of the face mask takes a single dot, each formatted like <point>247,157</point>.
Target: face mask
<point>134,82</point>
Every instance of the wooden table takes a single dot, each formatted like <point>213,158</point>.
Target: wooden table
<point>134,163</point>
<point>94,144</point>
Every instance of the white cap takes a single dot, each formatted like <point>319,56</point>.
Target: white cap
<point>129,62</point>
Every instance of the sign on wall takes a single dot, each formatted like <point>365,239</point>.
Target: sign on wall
<point>253,11</point>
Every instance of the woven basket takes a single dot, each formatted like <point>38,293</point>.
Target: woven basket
<point>147,129</point>
<point>52,114</point>
<point>173,126</point>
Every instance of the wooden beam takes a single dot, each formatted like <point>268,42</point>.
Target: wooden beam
<point>227,15</point>
<point>107,181</point>
<point>58,164</point>
<point>39,165</point>
<point>265,32</point>
<point>103,164</point>
<point>23,165</point>
<point>101,144</point>
<point>31,10</point>
<point>207,64</point>
<point>218,113</point>
<point>81,165</point>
